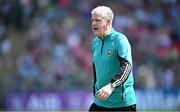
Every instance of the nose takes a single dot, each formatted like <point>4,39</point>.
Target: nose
<point>93,22</point>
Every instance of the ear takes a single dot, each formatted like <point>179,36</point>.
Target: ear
<point>109,21</point>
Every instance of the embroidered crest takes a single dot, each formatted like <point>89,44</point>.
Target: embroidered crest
<point>109,53</point>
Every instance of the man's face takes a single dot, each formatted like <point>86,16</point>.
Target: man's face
<point>99,25</point>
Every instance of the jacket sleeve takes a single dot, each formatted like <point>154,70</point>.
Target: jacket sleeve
<point>124,55</point>
<point>122,74</point>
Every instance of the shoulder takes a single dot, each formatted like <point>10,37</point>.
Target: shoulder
<point>119,37</point>
<point>95,42</point>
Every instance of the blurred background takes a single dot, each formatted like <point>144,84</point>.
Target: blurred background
<point>45,52</point>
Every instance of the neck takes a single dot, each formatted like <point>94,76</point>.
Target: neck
<point>106,32</point>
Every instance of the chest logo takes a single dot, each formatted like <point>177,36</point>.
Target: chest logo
<point>109,53</point>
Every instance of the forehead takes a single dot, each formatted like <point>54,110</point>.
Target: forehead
<point>96,15</point>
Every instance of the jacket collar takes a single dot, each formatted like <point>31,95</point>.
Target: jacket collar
<point>106,36</point>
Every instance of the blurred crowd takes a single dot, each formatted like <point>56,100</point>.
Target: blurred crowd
<point>57,51</point>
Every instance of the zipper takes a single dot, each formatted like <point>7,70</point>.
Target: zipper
<point>102,46</point>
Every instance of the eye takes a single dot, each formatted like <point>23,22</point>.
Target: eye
<point>96,20</point>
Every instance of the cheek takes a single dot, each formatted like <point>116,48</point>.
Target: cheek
<point>102,28</point>
<point>105,26</point>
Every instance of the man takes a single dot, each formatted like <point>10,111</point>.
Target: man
<point>112,63</point>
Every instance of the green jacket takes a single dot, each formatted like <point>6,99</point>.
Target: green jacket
<point>108,56</point>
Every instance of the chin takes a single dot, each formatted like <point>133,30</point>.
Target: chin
<point>96,33</point>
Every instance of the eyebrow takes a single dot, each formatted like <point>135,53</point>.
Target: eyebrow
<point>97,20</point>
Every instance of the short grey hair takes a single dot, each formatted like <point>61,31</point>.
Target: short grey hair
<point>104,11</point>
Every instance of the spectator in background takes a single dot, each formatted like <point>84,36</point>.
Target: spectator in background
<point>5,48</point>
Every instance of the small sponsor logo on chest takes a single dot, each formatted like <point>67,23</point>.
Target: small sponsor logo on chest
<point>109,53</point>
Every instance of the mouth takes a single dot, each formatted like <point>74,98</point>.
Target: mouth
<point>95,28</point>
